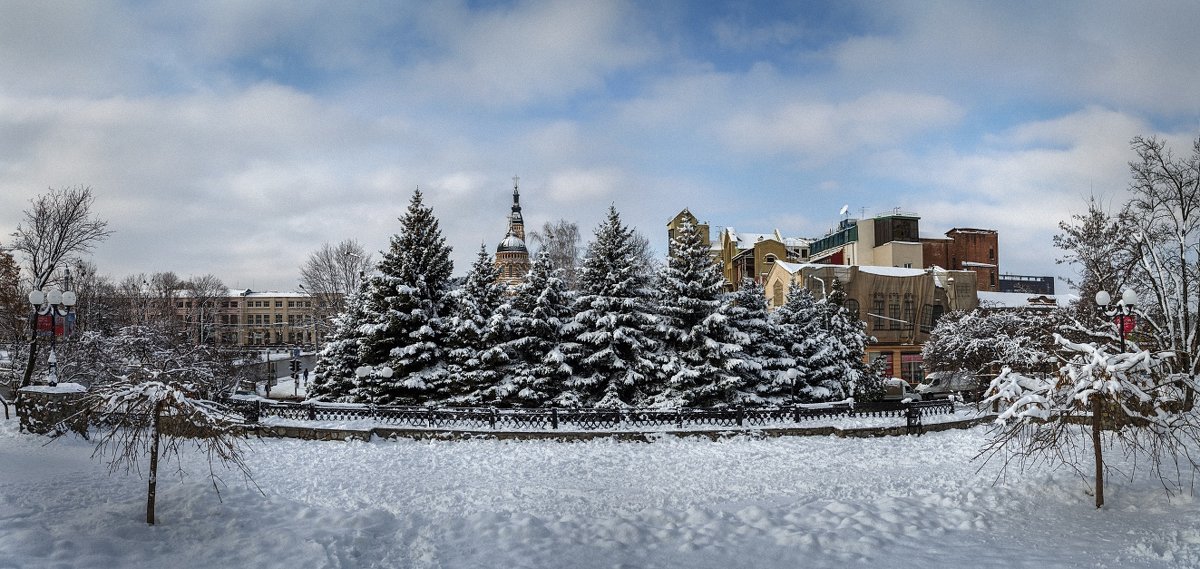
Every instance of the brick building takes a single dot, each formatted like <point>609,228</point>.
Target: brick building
<point>966,249</point>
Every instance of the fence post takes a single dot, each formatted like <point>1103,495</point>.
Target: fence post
<point>554,418</point>
<point>741,414</point>
<point>796,414</point>
<point>312,412</point>
<point>492,418</point>
<point>679,418</point>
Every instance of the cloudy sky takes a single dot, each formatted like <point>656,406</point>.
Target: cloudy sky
<point>234,137</point>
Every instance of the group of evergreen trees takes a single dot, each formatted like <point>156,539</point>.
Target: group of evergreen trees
<point>625,337</point>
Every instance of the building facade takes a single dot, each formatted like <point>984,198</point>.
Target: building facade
<point>900,306</point>
<point>512,256</point>
<point>252,318</point>
<point>967,249</point>
<point>886,240</point>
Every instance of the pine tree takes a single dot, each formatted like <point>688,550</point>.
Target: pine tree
<point>702,354</point>
<point>796,321</point>
<point>613,323</point>
<point>540,356</point>
<point>333,375</point>
<point>836,353</point>
<point>765,362</point>
<point>475,361</point>
<point>403,309</point>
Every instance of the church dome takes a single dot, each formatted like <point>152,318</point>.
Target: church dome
<point>511,243</point>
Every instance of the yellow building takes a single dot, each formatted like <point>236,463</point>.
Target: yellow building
<point>744,255</point>
<point>251,318</point>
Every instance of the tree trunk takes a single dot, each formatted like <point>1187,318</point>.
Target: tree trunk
<point>150,492</point>
<point>1097,420</point>
<point>29,363</point>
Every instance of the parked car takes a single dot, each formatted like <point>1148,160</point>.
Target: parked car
<point>896,389</point>
<point>942,384</point>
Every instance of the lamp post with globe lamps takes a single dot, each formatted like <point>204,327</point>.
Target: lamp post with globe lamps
<point>53,303</point>
<point>1121,313</point>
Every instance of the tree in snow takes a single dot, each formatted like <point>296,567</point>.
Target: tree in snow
<point>836,354</point>
<point>702,355</point>
<point>768,370</point>
<point>560,240</point>
<point>403,308</point>
<point>150,395</point>
<point>1101,392</point>
<point>613,322</point>
<point>57,226</point>
<point>798,322</point>
<point>1152,246</point>
<point>541,357</point>
<point>333,375</point>
<point>983,341</point>
<point>475,359</point>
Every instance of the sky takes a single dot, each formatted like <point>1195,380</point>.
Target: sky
<point>236,137</point>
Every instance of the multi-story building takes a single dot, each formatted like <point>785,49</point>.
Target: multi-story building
<point>512,256</point>
<point>900,306</point>
<point>252,318</point>
<point>1027,284</point>
<point>886,240</point>
<point>967,249</point>
<point>744,255</point>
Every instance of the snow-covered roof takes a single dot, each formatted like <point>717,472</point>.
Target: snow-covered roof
<point>974,264</point>
<point>892,271</point>
<point>247,293</point>
<point>1024,299</point>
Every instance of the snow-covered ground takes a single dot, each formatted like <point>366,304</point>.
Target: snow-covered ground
<point>900,502</point>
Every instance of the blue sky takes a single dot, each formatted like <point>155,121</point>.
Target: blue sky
<point>235,137</point>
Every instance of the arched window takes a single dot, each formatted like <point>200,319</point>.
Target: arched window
<point>851,307</point>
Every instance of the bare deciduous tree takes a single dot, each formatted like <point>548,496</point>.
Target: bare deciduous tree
<point>57,226</point>
<point>560,241</point>
<point>332,273</point>
<point>200,312</point>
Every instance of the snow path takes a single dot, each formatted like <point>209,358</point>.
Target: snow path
<point>788,502</point>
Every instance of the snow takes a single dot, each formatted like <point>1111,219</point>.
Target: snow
<point>59,388</point>
<point>892,271</point>
<point>901,502</point>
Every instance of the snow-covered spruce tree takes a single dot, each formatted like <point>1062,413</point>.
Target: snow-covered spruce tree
<point>474,362</point>
<point>798,321</point>
<point>1116,398</point>
<point>403,308</point>
<point>983,341</point>
<point>333,375</point>
<point>540,358</point>
<point>613,322</point>
<point>766,364</point>
<point>837,354</point>
<point>702,353</point>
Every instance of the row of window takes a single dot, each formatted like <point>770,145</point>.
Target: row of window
<point>249,304</point>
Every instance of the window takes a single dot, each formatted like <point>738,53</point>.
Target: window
<point>278,304</point>
<point>927,318</point>
<point>991,254</point>
<point>852,307</point>
<point>877,312</point>
<point>233,304</point>
<point>910,315</point>
<point>894,312</point>
<point>279,319</point>
<point>912,368</point>
<point>769,259</point>
<point>291,304</point>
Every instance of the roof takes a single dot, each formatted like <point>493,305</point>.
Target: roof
<point>1025,300</point>
<point>511,243</point>
<point>974,264</point>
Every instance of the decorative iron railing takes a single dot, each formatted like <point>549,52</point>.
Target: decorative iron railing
<point>585,419</point>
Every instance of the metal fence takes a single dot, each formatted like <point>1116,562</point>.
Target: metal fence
<point>505,419</point>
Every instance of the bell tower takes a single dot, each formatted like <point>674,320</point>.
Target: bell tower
<point>512,256</point>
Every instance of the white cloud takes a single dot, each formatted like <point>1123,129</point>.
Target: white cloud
<point>816,132</point>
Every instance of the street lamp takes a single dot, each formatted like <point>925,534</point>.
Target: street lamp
<point>1121,313</point>
<point>52,303</point>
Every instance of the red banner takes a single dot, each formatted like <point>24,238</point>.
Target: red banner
<point>44,323</point>
<point>1126,322</point>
